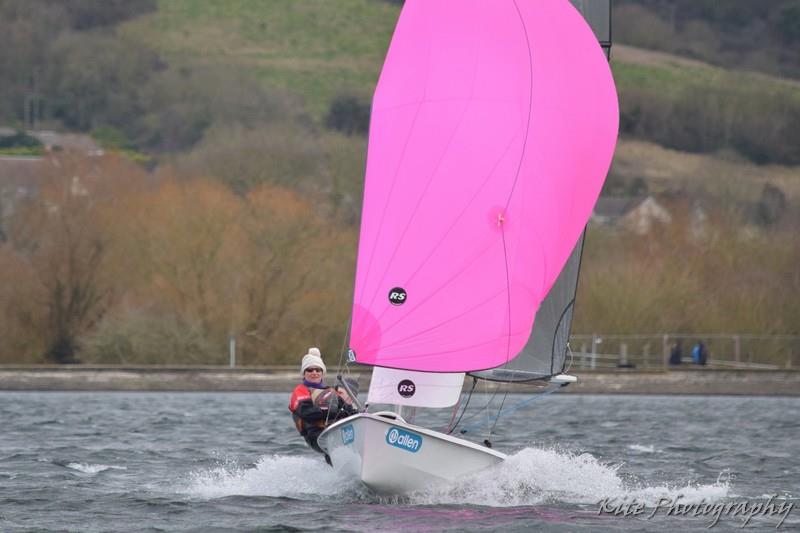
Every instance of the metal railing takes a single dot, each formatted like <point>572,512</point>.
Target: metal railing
<point>652,351</point>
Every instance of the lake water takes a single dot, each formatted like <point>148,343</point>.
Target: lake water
<point>233,461</point>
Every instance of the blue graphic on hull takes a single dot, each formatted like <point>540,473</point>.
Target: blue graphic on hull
<point>405,440</point>
<point>348,434</point>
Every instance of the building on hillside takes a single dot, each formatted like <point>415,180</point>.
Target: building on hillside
<point>20,176</point>
<point>635,213</point>
<point>68,141</point>
<point>19,180</point>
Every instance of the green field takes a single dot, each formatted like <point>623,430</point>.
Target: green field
<point>318,49</point>
<point>314,48</point>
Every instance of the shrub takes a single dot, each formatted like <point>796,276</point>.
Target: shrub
<point>140,338</point>
<point>19,140</point>
<point>348,114</point>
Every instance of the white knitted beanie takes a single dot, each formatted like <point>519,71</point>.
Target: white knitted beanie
<point>312,359</point>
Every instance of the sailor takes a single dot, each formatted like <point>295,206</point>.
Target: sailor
<point>314,405</point>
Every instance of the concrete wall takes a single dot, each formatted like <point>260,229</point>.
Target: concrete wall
<point>283,379</point>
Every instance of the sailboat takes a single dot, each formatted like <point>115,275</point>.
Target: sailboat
<point>492,130</point>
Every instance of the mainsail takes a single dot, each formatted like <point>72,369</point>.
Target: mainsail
<point>544,355</point>
<point>492,129</point>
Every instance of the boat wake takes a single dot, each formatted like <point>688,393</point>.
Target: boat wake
<point>533,476</point>
<point>275,476</point>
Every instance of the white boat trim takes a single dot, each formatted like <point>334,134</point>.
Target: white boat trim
<point>392,457</point>
<point>391,418</point>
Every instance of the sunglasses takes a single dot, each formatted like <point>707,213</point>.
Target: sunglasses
<point>314,370</point>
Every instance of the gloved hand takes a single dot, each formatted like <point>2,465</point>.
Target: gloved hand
<point>328,403</point>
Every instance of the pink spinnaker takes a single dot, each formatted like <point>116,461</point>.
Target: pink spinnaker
<point>493,127</point>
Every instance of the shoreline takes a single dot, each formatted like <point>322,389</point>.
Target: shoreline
<point>680,381</point>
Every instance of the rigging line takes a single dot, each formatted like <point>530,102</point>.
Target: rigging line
<point>339,366</point>
<point>344,339</point>
<point>571,356</point>
<point>558,326</point>
<point>483,408</point>
<point>464,410</point>
<point>488,417</point>
<point>475,415</point>
<point>499,411</point>
<point>508,314</point>
<point>518,406</point>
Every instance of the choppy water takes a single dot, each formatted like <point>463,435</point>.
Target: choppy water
<point>196,461</point>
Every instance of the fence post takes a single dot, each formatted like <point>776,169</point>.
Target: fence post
<point>595,342</point>
<point>646,355</point>
<point>623,354</point>
<point>665,351</point>
<point>232,350</point>
<point>737,348</point>
<point>583,355</point>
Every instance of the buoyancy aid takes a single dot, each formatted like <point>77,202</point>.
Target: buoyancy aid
<point>304,413</point>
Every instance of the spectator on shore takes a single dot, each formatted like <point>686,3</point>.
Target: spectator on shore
<point>676,354</point>
<point>699,353</point>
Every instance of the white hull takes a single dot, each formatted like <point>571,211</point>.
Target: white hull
<point>392,457</point>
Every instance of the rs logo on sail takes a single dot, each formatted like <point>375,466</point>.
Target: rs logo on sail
<point>406,388</point>
<point>397,296</point>
<point>403,439</point>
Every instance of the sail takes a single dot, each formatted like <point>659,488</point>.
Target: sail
<point>544,355</point>
<point>492,129</point>
<point>414,389</point>
<point>545,352</point>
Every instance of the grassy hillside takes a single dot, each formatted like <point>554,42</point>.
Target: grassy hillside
<point>723,175</point>
<point>314,48</point>
<point>317,48</point>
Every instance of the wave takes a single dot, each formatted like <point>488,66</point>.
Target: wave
<point>92,469</point>
<point>537,476</point>
<point>641,448</point>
